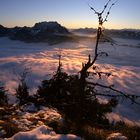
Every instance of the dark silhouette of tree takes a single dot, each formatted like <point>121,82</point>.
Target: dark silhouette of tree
<point>67,94</point>
<point>22,92</point>
<point>54,90</point>
<point>75,97</point>
<point>3,96</point>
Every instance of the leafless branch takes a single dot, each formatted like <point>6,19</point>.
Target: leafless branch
<point>100,14</point>
<point>129,96</point>
<point>106,17</point>
<point>90,62</point>
<point>93,9</point>
<point>106,5</point>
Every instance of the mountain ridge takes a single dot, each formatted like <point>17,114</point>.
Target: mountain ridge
<point>54,32</point>
<point>118,33</point>
<point>40,32</point>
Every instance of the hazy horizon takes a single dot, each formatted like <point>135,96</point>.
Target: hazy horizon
<point>84,27</point>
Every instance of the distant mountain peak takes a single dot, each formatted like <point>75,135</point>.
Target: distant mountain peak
<point>45,25</point>
<point>41,31</point>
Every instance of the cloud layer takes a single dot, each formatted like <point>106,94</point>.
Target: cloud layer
<point>42,60</point>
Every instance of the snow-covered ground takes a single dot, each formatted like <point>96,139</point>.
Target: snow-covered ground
<point>43,133</point>
<point>42,60</point>
<point>116,136</point>
<point>32,123</point>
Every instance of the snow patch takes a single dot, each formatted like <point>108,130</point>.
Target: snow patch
<point>43,133</point>
<point>116,136</point>
<point>30,107</point>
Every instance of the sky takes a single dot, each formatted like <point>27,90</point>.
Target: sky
<point>69,13</point>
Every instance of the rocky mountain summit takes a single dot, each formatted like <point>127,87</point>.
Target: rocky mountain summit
<point>40,32</point>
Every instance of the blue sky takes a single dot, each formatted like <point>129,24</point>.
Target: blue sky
<point>69,13</point>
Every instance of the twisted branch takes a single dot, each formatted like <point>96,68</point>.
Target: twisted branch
<point>99,33</point>
<point>121,94</point>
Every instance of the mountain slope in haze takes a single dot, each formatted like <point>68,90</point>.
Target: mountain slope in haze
<point>124,33</point>
<point>4,31</point>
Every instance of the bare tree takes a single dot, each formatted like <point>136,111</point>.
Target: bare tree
<point>91,62</point>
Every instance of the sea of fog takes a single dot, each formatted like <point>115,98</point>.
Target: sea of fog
<point>41,60</point>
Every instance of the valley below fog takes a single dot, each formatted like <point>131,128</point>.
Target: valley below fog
<point>42,60</point>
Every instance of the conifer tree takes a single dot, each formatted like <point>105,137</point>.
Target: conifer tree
<point>22,92</point>
<point>3,96</point>
<point>77,98</point>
